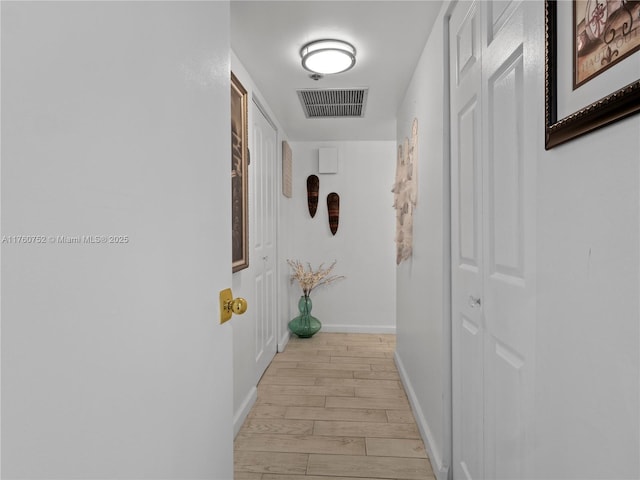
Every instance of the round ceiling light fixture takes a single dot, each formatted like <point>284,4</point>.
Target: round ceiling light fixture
<point>328,56</point>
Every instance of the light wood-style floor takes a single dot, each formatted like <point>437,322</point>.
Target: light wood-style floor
<point>332,406</point>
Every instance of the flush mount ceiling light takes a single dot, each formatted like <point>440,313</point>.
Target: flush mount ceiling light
<point>328,56</point>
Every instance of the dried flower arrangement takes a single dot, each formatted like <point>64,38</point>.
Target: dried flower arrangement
<point>308,279</point>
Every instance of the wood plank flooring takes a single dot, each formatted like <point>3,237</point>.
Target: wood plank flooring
<point>332,406</point>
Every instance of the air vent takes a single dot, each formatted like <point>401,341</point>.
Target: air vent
<point>333,103</point>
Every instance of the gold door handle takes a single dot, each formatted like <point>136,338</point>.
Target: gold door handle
<point>238,305</point>
<point>230,305</point>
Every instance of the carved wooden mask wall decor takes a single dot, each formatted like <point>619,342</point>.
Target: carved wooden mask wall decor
<point>333,206</point>
<point>313,188</point>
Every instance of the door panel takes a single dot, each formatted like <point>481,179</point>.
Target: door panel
<point>498,14</point>
<point>504,435</point>
<point>469,408</point>
<point>263,160</point>
<point>468,143</point>
<point>509,285</point>
<point>467,45</point>
<point>505,200</point>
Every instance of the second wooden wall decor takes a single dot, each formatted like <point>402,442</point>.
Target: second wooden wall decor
<point>313,189</point>
<point>333,206</point>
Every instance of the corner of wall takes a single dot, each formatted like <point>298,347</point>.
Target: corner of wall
<point>284,340</point>
<point>241,414</point>
<point>440,469</point>
<point>424,339</point>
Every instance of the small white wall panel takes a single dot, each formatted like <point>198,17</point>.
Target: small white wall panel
<point>328,160</point>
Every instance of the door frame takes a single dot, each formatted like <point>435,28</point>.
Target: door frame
<point>447,333</point>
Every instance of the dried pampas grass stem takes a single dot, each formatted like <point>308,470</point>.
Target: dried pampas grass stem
<point>310,279</point>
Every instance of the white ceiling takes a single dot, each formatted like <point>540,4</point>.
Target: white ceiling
<point>388,35</point>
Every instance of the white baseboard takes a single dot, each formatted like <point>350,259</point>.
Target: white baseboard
<point>241,415</point>
<point>441,471</point>
<point>284,339</point>
<point>358,329</point>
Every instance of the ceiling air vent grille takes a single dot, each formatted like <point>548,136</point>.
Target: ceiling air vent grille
<point>333,103</point>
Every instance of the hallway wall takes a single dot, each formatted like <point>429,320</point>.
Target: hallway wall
<point>244,350</point>
<point>585,420</point>
<point>363,245</point>
<point>115,122</point>
<point>421,280</point>
<point>587,405</point>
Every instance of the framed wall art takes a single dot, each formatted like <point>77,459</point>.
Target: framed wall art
<point>287,169</point>
<point>592,66</point>
<point>239,176</point>
<point>604,33</point>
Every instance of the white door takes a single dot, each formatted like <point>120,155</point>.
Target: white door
<point>466,241</point>
<point>494,137</point>
<point>263,161</point>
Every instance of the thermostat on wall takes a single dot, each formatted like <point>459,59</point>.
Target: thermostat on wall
<point>328,160</point>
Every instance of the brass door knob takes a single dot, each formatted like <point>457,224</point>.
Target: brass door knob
<point>238,305</point>
<point>230,305</point>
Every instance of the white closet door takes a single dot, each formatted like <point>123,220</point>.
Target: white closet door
<point>494,138</point>
<point>263,162</point>
<point>466,237</point>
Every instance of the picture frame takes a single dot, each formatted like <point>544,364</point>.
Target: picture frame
<point>239,176</point>
<point>287,169</point>
<point>611,96</point>
<point>605,32</point>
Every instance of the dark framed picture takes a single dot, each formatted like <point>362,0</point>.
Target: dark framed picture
<point>604,33</point>
<point>584,90</point>
<point>239,176</point>
<point>287,169</point>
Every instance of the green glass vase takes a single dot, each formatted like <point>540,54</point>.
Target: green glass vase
<point>305,325</point>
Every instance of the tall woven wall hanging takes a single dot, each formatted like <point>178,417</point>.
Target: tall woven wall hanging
<point>405,191</point>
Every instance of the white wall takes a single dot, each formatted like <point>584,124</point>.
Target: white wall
<point>115,120</point>
<point>363,245</point>
<point>244,327</point>
<point>422,291</point>
<point>586,420</point>
<point>588,364</point>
